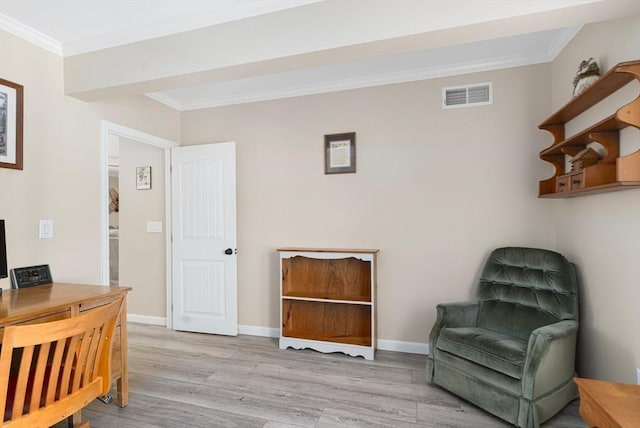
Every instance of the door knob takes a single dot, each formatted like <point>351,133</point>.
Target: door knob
<point>228,251</point>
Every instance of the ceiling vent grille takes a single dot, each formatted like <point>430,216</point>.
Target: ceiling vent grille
<point>467,96</point>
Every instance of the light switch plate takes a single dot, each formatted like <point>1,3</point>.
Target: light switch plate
<point>154,226</point>
<point>46,229</point>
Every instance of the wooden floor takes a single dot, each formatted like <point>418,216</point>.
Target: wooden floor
<point>195,380</point>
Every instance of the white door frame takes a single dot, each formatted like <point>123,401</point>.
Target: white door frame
<point>109,128</point>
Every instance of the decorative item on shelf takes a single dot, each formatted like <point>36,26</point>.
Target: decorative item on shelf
<point>588,72</point>
<point>584,158</point>
<point>143,178</point>
<point>114,198</point>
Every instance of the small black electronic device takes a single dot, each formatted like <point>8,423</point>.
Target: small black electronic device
<point>30,276</point>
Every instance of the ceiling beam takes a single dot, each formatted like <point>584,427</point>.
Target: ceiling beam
<point>309,36</point>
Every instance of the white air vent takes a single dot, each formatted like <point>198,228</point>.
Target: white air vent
<point>467,96</point>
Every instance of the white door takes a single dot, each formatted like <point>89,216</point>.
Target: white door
<point>203,207</point>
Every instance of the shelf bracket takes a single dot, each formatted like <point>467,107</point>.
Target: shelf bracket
<point>611,143</point>
<point>557,131</point>
<point>630,113</point>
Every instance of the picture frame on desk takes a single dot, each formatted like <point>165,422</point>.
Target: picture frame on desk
<point>340,153</point>
<point>11,124</point>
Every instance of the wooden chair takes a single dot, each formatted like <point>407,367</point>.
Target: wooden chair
<point>58,367</point>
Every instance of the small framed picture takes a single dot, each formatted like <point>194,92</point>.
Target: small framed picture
<point>143,178</point>
<point>340,153</point>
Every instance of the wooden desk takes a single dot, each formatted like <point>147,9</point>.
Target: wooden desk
<point>58,301</point>
<point>609,405</point>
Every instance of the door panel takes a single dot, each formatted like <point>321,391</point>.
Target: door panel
<point>204,216</point>
<point>205,294</point>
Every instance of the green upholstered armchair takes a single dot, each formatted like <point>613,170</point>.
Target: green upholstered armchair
<point>512,351</point>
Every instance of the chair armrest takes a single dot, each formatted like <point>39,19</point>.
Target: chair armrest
<point>459,314</point>
<point>550,360</point>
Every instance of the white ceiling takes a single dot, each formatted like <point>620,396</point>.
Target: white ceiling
<point>77,26</point>
<point>73,27</point>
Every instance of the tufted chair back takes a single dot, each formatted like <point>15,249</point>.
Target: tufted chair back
<point>522,289</point>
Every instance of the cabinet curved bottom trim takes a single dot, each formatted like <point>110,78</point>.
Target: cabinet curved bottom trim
<point>328,347</point>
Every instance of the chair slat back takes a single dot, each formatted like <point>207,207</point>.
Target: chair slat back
<point>58,366</point>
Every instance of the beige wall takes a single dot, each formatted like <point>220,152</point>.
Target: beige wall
<point>142,254</point>
<point>435,189</point>
<point>62,163</point>
<point>601,233</point>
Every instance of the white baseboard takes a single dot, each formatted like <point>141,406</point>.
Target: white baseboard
<point>145,319</point>
<point>383,345</point>
<point>398,346</point>
<point>251,330</point>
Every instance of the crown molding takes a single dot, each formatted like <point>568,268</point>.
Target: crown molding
<point>165,99</point>
<point>562,41</point>
<point>30,35</point>
<point>217,13</point>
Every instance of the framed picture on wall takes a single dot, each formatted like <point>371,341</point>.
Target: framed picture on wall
<point>143,178</point>
<point>340,153</point>
<point>11,105</point>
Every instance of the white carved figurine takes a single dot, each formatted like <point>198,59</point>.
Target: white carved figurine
<point>588,72</point>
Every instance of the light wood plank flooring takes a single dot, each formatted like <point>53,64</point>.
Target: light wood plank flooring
<point>182,379</point>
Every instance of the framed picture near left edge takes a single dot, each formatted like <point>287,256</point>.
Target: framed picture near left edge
<point>11,123</point>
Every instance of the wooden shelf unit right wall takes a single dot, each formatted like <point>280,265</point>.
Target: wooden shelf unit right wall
<point>613,172</point>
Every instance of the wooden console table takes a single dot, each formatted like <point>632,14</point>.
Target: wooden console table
<point>51,302</point>
<point>609,405</point>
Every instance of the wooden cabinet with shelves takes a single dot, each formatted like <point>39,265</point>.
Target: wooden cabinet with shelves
<point>327,300</point>
<point>613,172</point>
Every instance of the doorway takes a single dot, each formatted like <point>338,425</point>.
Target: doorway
<point>114,208</point>
<point>121,153</point>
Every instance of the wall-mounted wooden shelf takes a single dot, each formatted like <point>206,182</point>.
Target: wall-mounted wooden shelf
<point>581,140</point>
<point>608,83</point>
<point>327,300</point>
<point>613,172</point>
